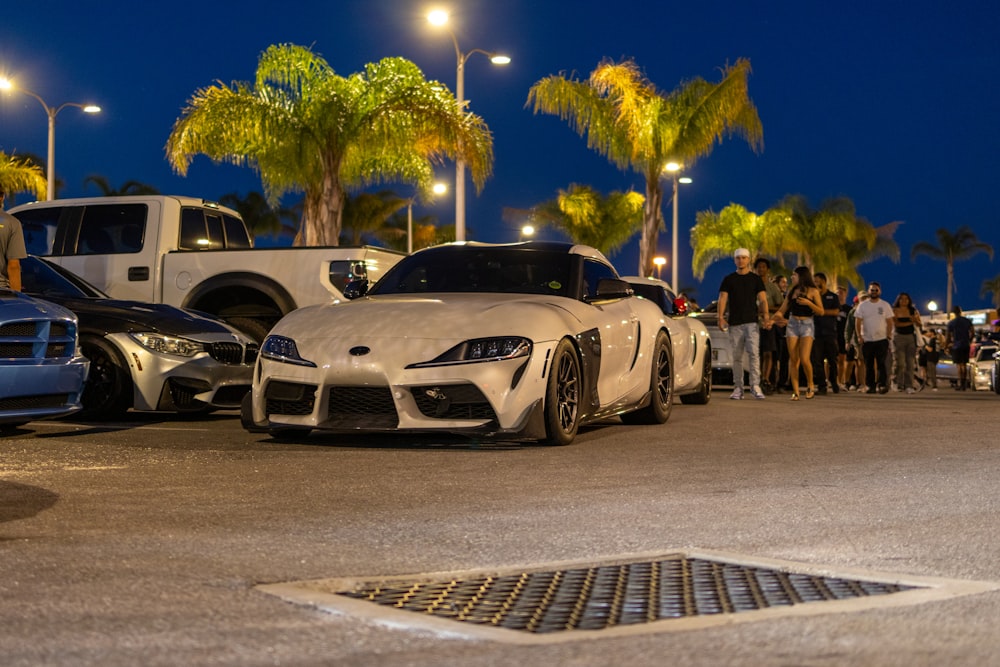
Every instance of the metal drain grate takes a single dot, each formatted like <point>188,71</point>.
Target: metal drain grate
<point>595,598</point>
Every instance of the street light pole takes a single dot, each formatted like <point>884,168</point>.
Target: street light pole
<point>51,112</point>
<point>674,168</point>
<point>440,18</point>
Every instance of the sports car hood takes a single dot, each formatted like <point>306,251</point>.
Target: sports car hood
<point>444,316</point>
<point>115,316</point>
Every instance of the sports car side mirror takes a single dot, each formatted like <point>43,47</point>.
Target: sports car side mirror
<point>356,288</point>
<point>610,288</point>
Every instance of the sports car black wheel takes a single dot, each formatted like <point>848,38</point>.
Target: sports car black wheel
<point>108,390</point>
<point>704,393</point>
<point>562,396</point>
<point>661,386</point>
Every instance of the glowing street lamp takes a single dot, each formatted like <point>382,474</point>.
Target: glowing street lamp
<point>527,232</point>
<point>658,262</point>
<point>437,189</point>
<point>51,112</point>
<point>439,18</point>
<point>675,168</point>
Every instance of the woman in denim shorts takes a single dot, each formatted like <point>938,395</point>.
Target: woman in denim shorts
<point>801,303</point>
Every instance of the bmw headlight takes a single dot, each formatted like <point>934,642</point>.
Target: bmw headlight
<point>482,349</point>
<point>280,348</point>
<point>156,342</point>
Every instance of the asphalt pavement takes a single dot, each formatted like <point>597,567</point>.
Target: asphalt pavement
<point>148,541</point>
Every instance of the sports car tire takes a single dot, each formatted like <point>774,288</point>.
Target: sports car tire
<point>562,396</point>
<point>108,390</point>
<point>704,393</point>
<point>661,386</point>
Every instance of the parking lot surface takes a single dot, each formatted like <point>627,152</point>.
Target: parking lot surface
<point>155,540</point>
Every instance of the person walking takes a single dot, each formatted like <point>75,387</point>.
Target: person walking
<point>768,335</point>
<point>928,358</point>
<point>781,354</point>
<point>802,303</point>
<point>960,330</point>
<point>825,353</point>
<point>855,358</point>
<point>742,294</point>
<point>873,321</point>
<point>845,309</point>
<point>906,320</point>
<point>12,249</point>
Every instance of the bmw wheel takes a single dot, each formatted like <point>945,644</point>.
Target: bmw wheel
<point>562,396</point>
<point>661,386</point>
<point>108,390</point>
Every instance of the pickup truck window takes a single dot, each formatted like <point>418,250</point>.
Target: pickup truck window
<point>108,229</point>
<point>205,229</point>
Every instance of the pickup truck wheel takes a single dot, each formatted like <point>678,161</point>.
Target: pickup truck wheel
<point>251,327</point>
<point>108,390</point>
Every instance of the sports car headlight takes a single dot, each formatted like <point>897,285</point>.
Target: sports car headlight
<point>182,347</point>
<point>280,348</point>
<point>482,349</point>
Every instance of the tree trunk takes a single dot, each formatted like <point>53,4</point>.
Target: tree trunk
<point>651,218</point>
<point>951,286</point>
<point>323,212</point>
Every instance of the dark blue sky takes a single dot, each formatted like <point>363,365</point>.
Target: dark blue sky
<point>892,104</point>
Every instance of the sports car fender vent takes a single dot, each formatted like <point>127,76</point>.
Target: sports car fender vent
<point>453,401</point>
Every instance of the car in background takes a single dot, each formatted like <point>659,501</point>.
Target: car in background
<point>691,341</point>
<point>995,373</point>
<point>42,370</point>
<point>144,356</point>
<point>523,341</point>
<point>980,367</point>
<point>722,347</point>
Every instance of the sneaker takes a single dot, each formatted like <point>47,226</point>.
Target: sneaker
<point>737,395</point>
<point>911,390</point>
<point>757,393</point>
<point>853,387</point>
<point>883,389</point>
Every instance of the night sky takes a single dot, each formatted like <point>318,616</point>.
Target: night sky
<point>892,104</point>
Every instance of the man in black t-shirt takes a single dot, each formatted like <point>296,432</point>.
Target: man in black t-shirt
<point>825,347</point>
<point>742,293</point>
<point>960,331</point>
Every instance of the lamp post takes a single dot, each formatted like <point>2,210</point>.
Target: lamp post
<point>527,231</point>
<point>675,168</point>
<point>438,189</point>
<point>439,18</point>
<point>51,112</point>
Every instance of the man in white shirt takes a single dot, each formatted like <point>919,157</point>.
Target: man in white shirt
<point>873,322</point>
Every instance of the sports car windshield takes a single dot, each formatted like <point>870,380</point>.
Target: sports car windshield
<point>477,269</point>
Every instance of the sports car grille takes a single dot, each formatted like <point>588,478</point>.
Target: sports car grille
<point>290,398</point>
<point>362,407</point>
<point>37,340</point>
<point>232,353</point>
<point>33,402</point>
<point>453,401</point>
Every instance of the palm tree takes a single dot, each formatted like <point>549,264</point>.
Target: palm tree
<point>588,217</point>
<point>950,248</point>
<point>127,188</point>
<point>857,252</point>
<point>716,235</point>
<point>635,126</point>
<point>259,216</point>
<point>367,213</point>
<point>21,176</point>
<point>992,286</point>
<point>306,129</point>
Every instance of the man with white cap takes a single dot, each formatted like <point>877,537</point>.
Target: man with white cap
<point>744,296</point>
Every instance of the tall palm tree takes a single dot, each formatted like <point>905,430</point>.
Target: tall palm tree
<point>950,248</point>
<point>636,127</point>
<point>716,235</point>
<point>992,286</point>
<point>127,188</point>
<point>306,129</point>
<point>20,175</point>
<point>588,217</point>
<point>367,212</point>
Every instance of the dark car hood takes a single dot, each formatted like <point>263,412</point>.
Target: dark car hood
<point>114,316</point>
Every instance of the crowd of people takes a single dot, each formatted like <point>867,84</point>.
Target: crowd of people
<point>806,339</point>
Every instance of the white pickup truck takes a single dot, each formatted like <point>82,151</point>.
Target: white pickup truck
<point>191,253</point>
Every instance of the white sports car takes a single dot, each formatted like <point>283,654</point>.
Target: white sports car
<point>520,341</point>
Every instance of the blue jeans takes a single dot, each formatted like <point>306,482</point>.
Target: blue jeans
<point>745,337</point>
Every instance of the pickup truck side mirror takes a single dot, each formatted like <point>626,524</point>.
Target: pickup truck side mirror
<point>356,288</point>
